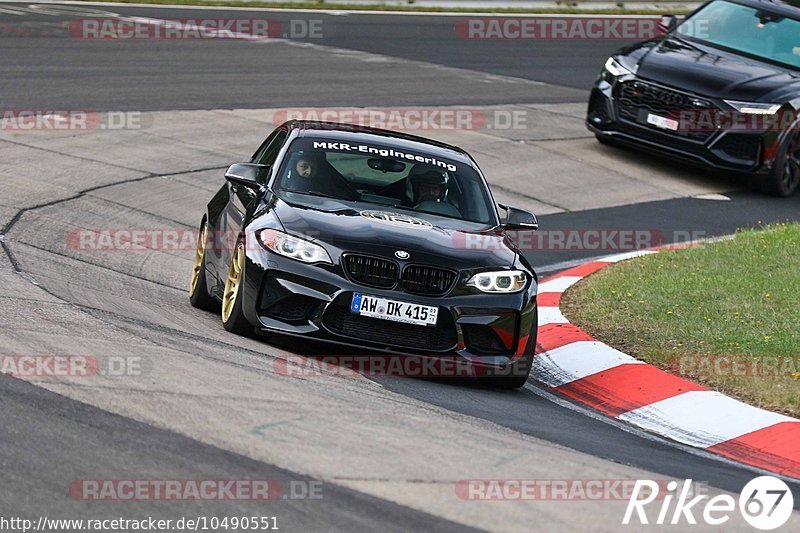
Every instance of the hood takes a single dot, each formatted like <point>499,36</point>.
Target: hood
<point>714,73</point>
<point>382,231</point>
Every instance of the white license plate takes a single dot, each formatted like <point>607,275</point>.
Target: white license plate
<point>662,122</point>
<point>372,306</point>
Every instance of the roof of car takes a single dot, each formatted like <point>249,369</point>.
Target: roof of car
<point>354,133</point>
<point>787,7</point>
<point>793,3</point>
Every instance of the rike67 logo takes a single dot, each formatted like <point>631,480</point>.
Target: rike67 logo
<point>765,503</point>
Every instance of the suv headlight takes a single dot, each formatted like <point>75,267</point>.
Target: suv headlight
<point>614,68</point>
<point>752,108</point>
<point>288,246</point>
<point>503,281</point>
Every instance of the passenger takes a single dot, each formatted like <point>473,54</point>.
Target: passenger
<point>428,186</point>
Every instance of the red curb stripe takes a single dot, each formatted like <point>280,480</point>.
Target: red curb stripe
<point>626,387</point>
<point>548,278</point>
<point>584,270</point>
<point>631,386</point>
<point>549,299</point>
<point>775,448</point>
<point>554,336</point>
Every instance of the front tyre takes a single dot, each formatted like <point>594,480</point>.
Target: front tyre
<point>232,316</point>
<point>785,177</point>
<point>198,287</point>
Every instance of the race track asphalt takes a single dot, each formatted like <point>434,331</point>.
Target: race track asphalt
<point>208,405</point>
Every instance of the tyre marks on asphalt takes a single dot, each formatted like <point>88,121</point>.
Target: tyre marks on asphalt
<point>192,358</point>
<point>66,440</point>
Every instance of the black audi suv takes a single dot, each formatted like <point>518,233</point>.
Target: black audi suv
<point>721,88</point>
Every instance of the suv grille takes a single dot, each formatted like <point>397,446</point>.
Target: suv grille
<point>637,98</point>
<point>418,279</point>
<point>371,271</point>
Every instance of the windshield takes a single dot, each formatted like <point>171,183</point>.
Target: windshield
<point>383,176</point>
<point>756,32</point>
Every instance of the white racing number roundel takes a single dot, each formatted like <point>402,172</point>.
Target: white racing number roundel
<point>396,219</point>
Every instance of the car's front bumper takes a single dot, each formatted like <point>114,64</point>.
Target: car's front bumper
<point>750,151</point>
<point>285,296</point>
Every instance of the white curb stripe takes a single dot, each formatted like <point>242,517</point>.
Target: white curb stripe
<point>551,315</point>
<point>622,257</point>
<point>702,418</point>
<point>577,360</point>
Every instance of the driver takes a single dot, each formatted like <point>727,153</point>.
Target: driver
<point>310,173</point>
<point>307,174</point>
<point>305,167</point>
<point>308,165</point>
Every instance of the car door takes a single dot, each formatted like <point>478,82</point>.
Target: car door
<point>242,199</point>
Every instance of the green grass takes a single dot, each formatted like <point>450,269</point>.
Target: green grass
<point>738,298</point>
<point>409,7</point>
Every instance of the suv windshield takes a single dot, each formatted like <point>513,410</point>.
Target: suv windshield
<point>384,176</point>
<point>740,28</point>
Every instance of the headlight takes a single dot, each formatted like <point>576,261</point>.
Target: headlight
<point>754,109</point>
<point>614,68</point>
<point>289,246</point>
<point>503,281</point>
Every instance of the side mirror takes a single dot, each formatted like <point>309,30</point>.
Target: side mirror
<point>519,219</point>
<point>247,174</point>
<point>668,23</point>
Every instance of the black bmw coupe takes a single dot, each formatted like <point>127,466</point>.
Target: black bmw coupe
<point>373,239</point>
<point>721,89</point>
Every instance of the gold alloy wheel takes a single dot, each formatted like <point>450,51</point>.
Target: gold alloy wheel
<point>202,240</point>
<point>232,282</point>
